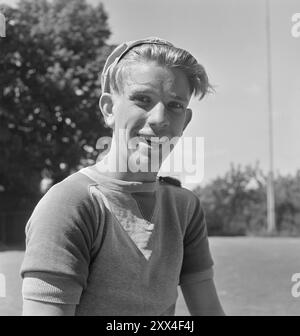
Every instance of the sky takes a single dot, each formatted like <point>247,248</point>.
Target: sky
<point>228,37</point>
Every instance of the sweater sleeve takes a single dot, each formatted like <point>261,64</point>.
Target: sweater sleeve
<point>59,240</point>
<point>197,257</point>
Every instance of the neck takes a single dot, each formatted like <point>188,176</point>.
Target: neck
<point>134,177</point>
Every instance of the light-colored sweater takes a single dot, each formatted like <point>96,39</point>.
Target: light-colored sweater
<point>114,247</point>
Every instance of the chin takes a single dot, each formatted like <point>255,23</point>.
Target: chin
<point>144,163</point>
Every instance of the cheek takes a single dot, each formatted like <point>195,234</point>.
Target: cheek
<point>135,118</point>
<point>122,114</point>
<point>130,119</point>
<point>176,125</point>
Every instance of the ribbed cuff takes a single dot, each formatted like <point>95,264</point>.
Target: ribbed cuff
<point>51,288</point>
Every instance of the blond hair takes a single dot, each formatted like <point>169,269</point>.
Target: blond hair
<point>165,55</point>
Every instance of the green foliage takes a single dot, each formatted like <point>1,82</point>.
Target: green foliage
<point>235,204</point>
<point>287,190</point>
<point>50,61</point>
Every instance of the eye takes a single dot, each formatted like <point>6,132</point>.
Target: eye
<point>174,105</point>
<point>141,99</point>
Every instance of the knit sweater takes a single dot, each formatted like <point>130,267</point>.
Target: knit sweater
<point>114,247</point>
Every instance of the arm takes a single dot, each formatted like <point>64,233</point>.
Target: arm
<point>39,308</point>
<point>196,279</point>
<point>59,238</point>
<point>202,299</point>
<point>48,295</point>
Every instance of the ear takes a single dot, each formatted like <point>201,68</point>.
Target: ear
<point>106,107</point>
<point>188,117</point>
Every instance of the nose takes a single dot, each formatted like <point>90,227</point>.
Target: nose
<point>158,116</point>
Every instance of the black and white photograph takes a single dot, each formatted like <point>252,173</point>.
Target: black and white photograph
<point>150,160</point>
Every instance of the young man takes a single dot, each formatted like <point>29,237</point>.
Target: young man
<point>113,239</point>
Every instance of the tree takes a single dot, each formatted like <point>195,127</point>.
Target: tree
<point>235,204</point>
<point>287,205</point>
<point>50,61</point>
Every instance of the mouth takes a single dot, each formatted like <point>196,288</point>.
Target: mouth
<point>152,139</point>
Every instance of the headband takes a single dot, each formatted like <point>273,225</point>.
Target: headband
<point>117,54</point>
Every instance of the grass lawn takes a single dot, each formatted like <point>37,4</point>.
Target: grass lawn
<point>253,276</point>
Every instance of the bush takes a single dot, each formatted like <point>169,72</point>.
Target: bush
<point>235,204</point>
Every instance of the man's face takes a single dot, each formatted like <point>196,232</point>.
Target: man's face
<point>152,104</point>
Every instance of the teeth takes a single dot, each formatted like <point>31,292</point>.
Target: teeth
<point>150,139</point>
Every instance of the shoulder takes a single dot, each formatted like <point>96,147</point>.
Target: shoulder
<point>175,187</point>
<point>72,190</point>
<point>69,198</point>
<point>184,199</point>
<point>66,209</point>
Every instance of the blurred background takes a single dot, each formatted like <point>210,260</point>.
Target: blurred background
<point>50,61</point>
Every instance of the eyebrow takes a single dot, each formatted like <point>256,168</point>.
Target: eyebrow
<point>149,91</point>
<point>174,96</point>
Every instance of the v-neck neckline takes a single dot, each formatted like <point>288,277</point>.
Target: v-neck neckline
<point>144,260</point>
<point>142,205</point>
<point>124,187</point>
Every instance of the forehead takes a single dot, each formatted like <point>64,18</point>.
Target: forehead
<point>154,77</point>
